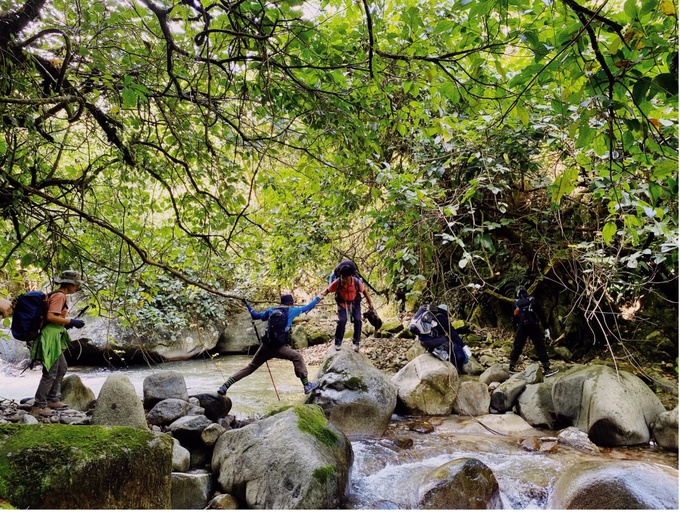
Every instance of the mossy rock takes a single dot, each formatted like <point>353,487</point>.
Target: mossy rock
<point>84,467</point>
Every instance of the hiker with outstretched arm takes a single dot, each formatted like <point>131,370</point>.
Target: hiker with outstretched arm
<point>49,347</point>
<point>275,342</point>
<point>348,289</point>
<point>528,317</point>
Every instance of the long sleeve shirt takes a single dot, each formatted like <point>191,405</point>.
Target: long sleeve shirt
<point>293,311</point>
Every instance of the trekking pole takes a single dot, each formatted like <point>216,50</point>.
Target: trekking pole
<point>266,362</point>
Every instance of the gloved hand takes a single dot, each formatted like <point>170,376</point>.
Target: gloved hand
<point>75,322</point>
<point>547,334</point>
<point>245,303</point>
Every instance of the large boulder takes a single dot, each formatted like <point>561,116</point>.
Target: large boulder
<point>427,386</point>
<point>615,409</point>
<point>535,405</point>
<point>472,399</point>
<point>665,430</point>
<point>295,459</point>
<point>461,484</point>
<point>163,385</point>
<point>118,404</point>
<point>76,394</point>
<point>84,467</point>
<point>239,337</point>
<point>191,490</point>
<point>106,341</point>
<point>357,397</point>
<point>615,485</point>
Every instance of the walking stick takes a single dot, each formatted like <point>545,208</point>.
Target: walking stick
<point>266,362</point>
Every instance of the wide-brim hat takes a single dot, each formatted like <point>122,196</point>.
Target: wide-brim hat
<point>69,277</point>
<point>287,299</point>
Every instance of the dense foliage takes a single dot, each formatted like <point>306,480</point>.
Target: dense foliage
<point>454,149</point>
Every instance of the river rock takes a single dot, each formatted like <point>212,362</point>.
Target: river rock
<point>615,485</point>
<point>168,410</point>
<point>357,397</point>
<point>188,429</point>
<point>223,502</point>
<point>215,406</point>
<point>665,430</point>
<point>496,373</point>
<point>461,484</point>
<point>163,385</point>
<point>76,394</point>
<point>534,404</point>
<point>11,350</point>
<point>118,404</point>
<point>84,467</point>
<point>472,399</point>
<point>571,436</point>
<point>211,434</point>
<point>615,410</point>
<point>427,385</point>
<point>504,396</point>
<point>473,367</point>
<point>295,459</point>
<point>180,455</point>
<point>191,490</point>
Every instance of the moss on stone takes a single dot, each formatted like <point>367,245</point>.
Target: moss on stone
<point>356,384</point>
<point>278,410</point>
<point>313,421</point>
<point>324,474</point>
<point>39,463</point>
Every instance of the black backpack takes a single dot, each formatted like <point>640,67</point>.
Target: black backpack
<point>276,334</point>
<point>30,313</point>
<point>344,269</point>
<point>524,311</point>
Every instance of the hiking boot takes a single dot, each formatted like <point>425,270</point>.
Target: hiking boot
<point>311,386</point>
<point>338,346</point>
<point>512,368</point>
<point>547,372</point>
<point>223,389</point>
<point>440,353</point>
<point>57,405</point>
<point>40,411</point>
<point>355,347</point>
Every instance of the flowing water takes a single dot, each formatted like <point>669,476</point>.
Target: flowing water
<point>383,475</point>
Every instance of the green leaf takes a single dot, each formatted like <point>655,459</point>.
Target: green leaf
<point>608,232</point>
<point>565,184</point>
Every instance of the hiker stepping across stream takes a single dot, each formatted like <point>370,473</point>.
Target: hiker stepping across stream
<point>275,343</point>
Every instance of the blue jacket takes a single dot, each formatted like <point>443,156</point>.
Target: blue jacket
<point>293,311</point>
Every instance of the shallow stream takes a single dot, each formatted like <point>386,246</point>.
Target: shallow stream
<point>382,474</point>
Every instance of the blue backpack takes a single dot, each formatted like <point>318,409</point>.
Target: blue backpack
<point>30,314</point>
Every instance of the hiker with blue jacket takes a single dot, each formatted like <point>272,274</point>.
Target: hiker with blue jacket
<point>49,347</point>
<point>275,341</point>
<point>528,316</point>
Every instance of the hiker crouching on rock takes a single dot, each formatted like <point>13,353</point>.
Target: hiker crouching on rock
<point>348,289</point>
<point>49,347</point>
<point>444,342</point>
<point>275,342</point>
